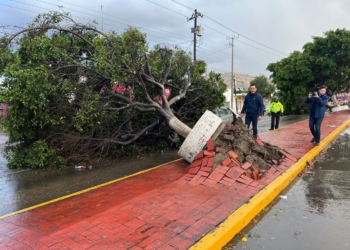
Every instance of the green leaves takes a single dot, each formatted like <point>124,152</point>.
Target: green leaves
<point>59,84</point>
<point>325,61</point>
<point>265,88</point>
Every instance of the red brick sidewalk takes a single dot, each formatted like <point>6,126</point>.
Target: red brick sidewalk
<point>160,209</point>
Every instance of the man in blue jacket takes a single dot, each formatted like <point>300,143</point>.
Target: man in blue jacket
<point>317,108</point>
<point>253,108</point>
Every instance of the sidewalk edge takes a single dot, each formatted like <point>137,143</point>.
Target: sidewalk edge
<point>241,217</point>
<point>83,191</point>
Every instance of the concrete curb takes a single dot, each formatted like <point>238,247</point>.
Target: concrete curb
<point>241,217</point>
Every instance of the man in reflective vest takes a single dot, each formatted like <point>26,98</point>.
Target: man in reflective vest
<point>275,110</point>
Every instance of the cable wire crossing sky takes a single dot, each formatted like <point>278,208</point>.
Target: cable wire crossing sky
<point>264,31</point>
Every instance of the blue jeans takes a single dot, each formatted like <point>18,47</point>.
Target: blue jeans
<point>252,118</point>
<point>315,127</point>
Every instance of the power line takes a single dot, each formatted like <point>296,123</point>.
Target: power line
<point>183,5</point>
<point>257,48</point>
<point>245,36</point>
<point>176,42</point>
<point>226,59</point>
<point>126,19</point>
<point>207,25</point>
<point>118,27</point>
<point>155,28</point>
<point>240,41</point>
<point>231,29</point>
<point>217,50</point>
<point>93,16</point>
<point>239,58</point>
<point>167,8</point>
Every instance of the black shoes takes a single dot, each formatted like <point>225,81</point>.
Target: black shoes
<point>271,129</point>
<point>313,140</point>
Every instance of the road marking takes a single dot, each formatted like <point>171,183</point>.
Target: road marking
<point>83,191</point>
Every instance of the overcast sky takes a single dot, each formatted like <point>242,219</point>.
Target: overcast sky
<point>266,30</point>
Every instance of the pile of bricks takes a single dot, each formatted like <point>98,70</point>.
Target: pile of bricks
<point>230,172</point>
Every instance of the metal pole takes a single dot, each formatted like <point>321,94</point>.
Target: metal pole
<point>234,80</point>
<point>232,90</point>
<point>194,16</point>
<point>195,35</point>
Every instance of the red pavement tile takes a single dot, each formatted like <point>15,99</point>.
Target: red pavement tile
<point>193,170</point>
<point>227,162</point>
<point>222,169</point>
<point>165,208</point>
<point>204,161</point>
<point>272,170</point>
<point>210,162</point>
<point>260,142</point>
<point>232,154</point>
<point>210,145</point>
<point>196,163</point>
<point>207,169</point>
<point>209,153</point>
<point>200,155</point>
<point>232,173</point>
<point>216,175</point>
<point>246,165</point>
<point>202,173</point>
<point>218,149</point>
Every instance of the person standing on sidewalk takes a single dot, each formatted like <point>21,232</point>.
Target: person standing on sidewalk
<point>275,110</point>
<point>253,108</point>
<point>317,108</point>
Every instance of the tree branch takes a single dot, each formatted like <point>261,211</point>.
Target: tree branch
<point>169,68</point>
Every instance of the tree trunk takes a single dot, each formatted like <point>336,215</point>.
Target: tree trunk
<point>180,127</point>
<point>334,100</point>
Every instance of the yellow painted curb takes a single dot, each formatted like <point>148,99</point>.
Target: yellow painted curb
<point>83,191</point>
<point>240,218</point>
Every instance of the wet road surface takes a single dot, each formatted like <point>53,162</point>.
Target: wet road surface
<point>20,189</point>
<point>312,213</point>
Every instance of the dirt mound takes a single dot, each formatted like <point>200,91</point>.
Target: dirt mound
<point>239,139</point>
<point>235,158</point>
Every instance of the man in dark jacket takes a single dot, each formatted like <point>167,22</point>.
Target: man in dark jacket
<point>317,108</point>
<point>253,108</point>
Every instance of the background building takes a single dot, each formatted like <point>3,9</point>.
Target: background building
<point>242,88</point>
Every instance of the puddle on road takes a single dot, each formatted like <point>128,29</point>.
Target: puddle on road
<point>314,210</point>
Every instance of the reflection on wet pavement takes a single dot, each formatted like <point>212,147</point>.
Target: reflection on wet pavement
<point>314,214</point>
<point>23,188</point>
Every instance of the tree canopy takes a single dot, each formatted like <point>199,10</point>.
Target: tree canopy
<point>324,61</point>
<point>265,88</point>
<point>75,92</point>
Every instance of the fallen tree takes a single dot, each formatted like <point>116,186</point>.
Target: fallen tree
<point>75,92</point>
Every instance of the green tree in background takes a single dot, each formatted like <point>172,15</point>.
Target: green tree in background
<point>265,88</point>
<point>329,61</point>
<point>290,76</point>
<point>75,92</point>
<point>324,61</point>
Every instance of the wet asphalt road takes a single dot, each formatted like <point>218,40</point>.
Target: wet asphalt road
<point>313,212</point>
<point>20,189</point>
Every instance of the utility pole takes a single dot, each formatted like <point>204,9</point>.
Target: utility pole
<point>233,80</point>
<point>195,30</point>
<point>102,15</point>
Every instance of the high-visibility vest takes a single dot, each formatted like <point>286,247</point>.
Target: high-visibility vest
<point>275,107</point>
